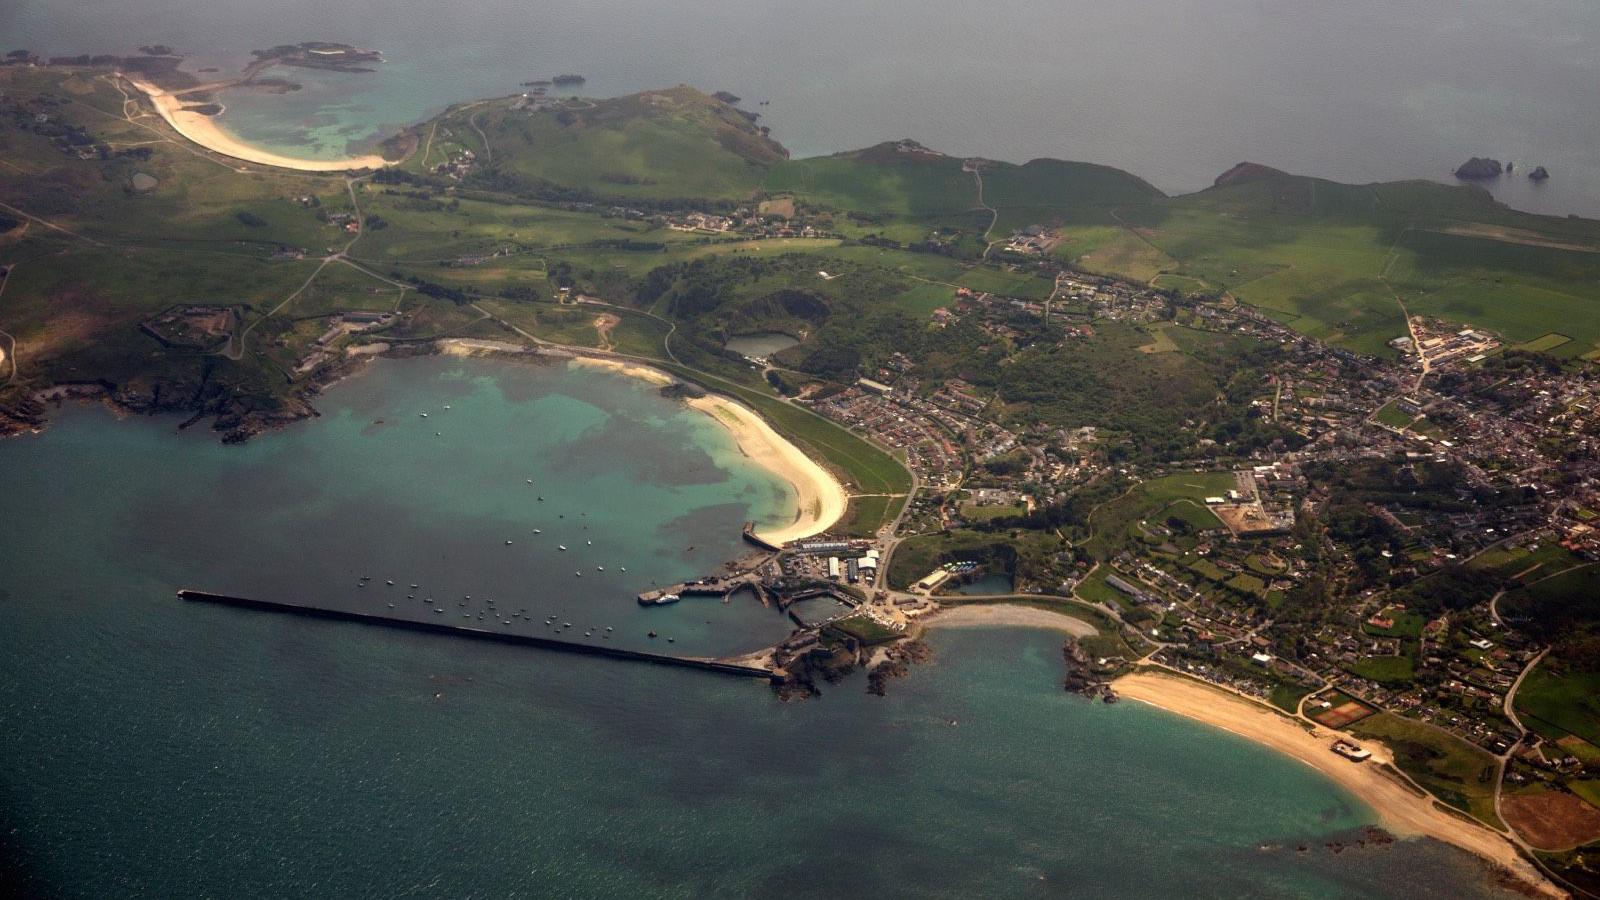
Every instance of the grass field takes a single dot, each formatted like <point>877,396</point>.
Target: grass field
<point>650,145</point>
<point>1389,670</point>
<point>1456,772</point>
<point>867,514</point>
<point>1391,416</point>
<point>1093,588</point>
<point>878,180</point>
<point>1334,261</point>
<point>1557,704</point>
<point>1544,343</point>
<point>1181,496</point>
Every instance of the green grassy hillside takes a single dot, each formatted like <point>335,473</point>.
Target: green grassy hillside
<point>668,144</point>
<point>1337,261</point>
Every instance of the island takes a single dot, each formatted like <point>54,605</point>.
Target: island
<point>1479,168</point>
<point>1309,461</point>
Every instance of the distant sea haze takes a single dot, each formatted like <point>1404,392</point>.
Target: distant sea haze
<point>1174,91</point>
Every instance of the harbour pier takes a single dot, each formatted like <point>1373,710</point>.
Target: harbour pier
<point>468,631</point>
<point>711,586</point>
<point>751,536</point>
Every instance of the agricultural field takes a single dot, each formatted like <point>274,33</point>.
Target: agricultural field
<point>1561,703</point>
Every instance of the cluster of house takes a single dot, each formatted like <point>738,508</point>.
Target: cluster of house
<point>1434,342</point>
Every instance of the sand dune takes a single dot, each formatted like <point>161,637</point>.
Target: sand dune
<point>204,130</point>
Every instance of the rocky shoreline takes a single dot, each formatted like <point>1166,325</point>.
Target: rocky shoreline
<point>1083,676</point>
<point>237,418</point>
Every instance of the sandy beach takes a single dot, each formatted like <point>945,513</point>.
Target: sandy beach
<point>984,615</point>
<point>632,370</point>
<point>820,499</point>
<point>204,130</point>
<point>1399,810</point>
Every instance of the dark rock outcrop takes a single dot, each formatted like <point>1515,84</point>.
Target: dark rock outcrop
<point>1081,675</point>
<point>897,663</point>
<point>1246,172</point>
<point>1539,174</point>
<point>1479,168</point>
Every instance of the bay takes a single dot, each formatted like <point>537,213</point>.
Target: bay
<point>160,748</point>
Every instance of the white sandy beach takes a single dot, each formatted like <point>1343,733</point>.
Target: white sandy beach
<point>632,370</point>
<point>204,130</point>
<point>984,615</point>
<point>820,499</point>
<point>1399,810</point>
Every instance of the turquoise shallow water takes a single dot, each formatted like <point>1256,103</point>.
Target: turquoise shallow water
<point>162,749</point>
<point>1175,91</point>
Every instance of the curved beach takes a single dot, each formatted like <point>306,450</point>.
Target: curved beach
<point>204,130</point>
<point>1398,808</point>
<point>991,615</point>
<point>819,498</point>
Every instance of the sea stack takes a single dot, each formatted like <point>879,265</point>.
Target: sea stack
<point>1538,174</point>
<point>1478,168</point>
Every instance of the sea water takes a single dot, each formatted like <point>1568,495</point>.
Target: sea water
<point>154,747</point>
<point>1174,91</point>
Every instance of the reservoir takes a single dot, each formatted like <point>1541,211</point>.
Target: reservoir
<point>162,748</point>
<point>761,344</point>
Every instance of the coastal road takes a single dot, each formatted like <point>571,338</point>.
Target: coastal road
<point>994,215</point>
<point>235,348</point>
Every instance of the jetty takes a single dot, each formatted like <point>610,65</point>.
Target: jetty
<point>712,586</point>
<point>751,536</point>
<point>470,631</point>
